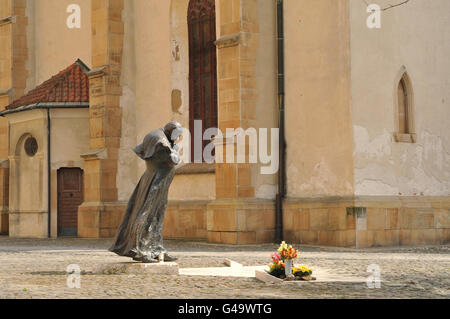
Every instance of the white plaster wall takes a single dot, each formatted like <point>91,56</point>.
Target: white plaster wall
<point>266,83</point>
<point>318,112</point>
<point>415,35</point>
<point>153,82</point>
<point>70,137</point>
<point>179,48</point>
<point>31,60</point>
<point>152,33</point>
<point>52,46</point>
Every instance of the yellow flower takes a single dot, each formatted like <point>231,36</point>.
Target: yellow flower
<point>302,269</point>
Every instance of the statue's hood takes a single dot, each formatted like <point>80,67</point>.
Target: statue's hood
<point>148,148</point>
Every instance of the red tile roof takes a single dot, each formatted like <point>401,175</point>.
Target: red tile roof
<point>69,85</point>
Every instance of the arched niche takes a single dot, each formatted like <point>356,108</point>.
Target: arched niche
<point>404,108</point>
<point>27,176</point>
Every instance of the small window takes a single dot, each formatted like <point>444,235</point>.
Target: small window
<point>31,146</point>
<point>405,124</point>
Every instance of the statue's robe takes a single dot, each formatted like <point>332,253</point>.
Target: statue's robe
<point>140,234</point>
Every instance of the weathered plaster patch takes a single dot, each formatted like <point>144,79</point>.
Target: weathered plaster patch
<point>320,182</point>
<point>320,178</point>
<point>175,50</point>
<point>372,149</point>
<point>266,191</point>
<point>383,167</point>
<point>375,188</point>
<point>177,102</point>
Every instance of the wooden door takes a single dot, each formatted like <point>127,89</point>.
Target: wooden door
<point>70,196</point>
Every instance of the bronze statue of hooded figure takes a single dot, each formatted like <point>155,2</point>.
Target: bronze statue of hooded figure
<point>140,234</point>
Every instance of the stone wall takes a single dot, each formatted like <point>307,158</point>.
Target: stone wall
<point>369,222</point>
<point>28,200</point>
<point>241,221</point>
<point>186,220</point>
<point>100,213</point>
<point>13,76</point>
<point>236,216</point>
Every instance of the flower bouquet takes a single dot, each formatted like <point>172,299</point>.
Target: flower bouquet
<point>288,254</point>
<point>277,266</point>
<point>282,265</point>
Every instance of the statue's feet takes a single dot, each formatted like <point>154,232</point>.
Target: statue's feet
<point>145,260</point>
<point>169,258</point>
<point>137,258</point>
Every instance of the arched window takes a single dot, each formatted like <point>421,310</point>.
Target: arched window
<point>202,65</point>
<point>405,113</point>
<point>403,108</point>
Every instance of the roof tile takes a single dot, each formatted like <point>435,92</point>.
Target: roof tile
<point>69,85</point>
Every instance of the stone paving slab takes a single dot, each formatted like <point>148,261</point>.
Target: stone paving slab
<point>38,269</point>
<point>166,268</point>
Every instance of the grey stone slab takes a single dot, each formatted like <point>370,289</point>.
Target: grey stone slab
<point>166,268</point>
<point>267,278</point>
<point>222,271</point>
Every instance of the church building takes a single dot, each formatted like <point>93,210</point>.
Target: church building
<point>359,94</point>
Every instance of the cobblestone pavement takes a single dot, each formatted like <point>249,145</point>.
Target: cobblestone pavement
<point>37,269</point>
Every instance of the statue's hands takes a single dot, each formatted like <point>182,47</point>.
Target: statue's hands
<point>175,158</point>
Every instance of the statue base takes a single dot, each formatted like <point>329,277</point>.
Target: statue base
<point>137,268</point>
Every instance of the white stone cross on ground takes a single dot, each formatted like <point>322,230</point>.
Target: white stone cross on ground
<point>235,269</point>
